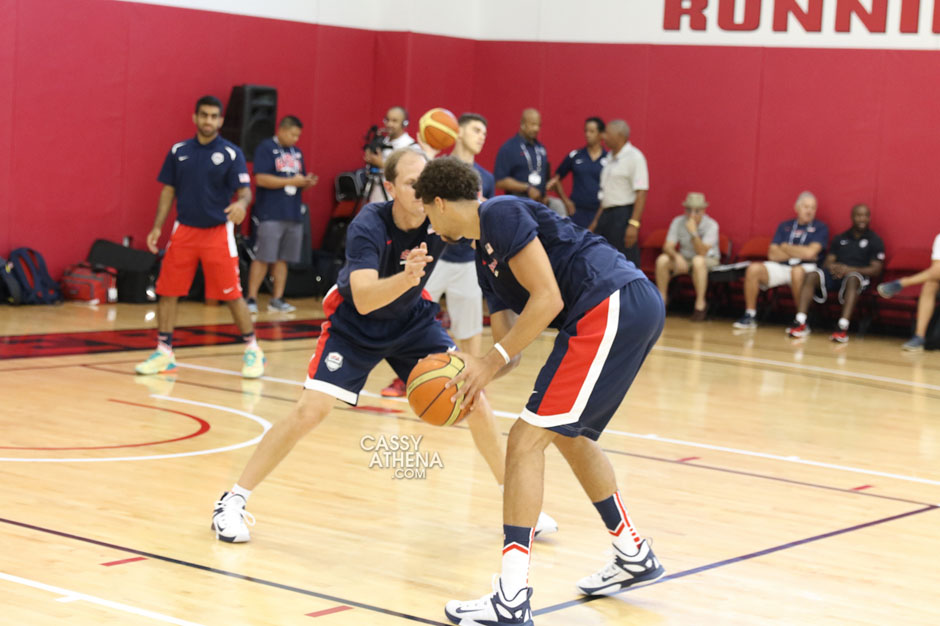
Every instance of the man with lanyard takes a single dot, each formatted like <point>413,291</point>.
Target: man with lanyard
<point>396,130</point>
<point>522,163</point>
<point>797,246</point>
<point>202,174</point>
<point>375,311</point>
<point>585,165</point>
<point>625,183</point>
<point>550,273</point>
<point>857,255</point>
<point>280,176</point>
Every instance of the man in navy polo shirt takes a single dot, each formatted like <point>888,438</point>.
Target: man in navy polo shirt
<point>522,163</point>
<point>585,165</point>
<point>550,273</point>
<point>796,249</point>
<point>202,174</point>
<point>281,176</point>
<point>856,256</point>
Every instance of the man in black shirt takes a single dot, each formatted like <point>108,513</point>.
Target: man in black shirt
<point>855,257</point>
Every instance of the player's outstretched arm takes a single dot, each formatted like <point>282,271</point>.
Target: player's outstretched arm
<point>370,292</point>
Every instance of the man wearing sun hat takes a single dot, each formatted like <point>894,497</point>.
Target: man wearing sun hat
<point>691,247</point>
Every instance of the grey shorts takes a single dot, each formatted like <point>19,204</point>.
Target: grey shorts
<point>279,241</point>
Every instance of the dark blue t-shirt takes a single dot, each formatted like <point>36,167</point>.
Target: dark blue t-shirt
<point>205,177</point>
<point>278,204</point>
<point>586,177</point>
<point>517,158</point>
<point>792,232</point>
<point>462,251</point>
<point>374,242</point>
<point>587,268</point>
<point>858,252</point>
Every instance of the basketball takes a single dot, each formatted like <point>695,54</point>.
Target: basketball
<point>438,128</point>
<point>426,394</point>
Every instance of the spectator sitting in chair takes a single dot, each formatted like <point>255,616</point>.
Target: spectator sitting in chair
<point>796,248</point>
<point>696,236</point>
<point>857,256</point>
<point>930,279</point>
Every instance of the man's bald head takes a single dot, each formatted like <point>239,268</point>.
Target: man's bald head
<point>530,124</point>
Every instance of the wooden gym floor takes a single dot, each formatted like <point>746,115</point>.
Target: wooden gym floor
<point>781,483</point>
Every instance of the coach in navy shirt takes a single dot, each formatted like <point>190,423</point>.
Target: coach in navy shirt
<point>585,165</point>
<point>522,163</point>
<point>281,176</point>
<point>533,263</point>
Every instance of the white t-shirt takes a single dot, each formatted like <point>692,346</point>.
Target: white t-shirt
<point>935,255</point>
<point>624,175</point>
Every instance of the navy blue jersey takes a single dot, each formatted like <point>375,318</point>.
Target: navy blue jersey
<point>858,252</point>
<point>278,204</point>
<point>792,232</point>
<point>462,251</point>
<point>586,177</point>
<point>374,242</point>
<point>587,268</point>
<point>519,159</point>
<point>205,177</point>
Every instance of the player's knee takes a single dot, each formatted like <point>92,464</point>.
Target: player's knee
<point>524,437</point>
<point>663,261</point>
<point>311,409</point>
<point>698,262</point>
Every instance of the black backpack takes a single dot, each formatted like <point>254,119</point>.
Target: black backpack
<point>10,290</point>
<point>30,271</point>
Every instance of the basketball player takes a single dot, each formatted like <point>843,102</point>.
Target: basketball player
<point>202,174</point>
<point>608,315</point>
<point>375,311</point>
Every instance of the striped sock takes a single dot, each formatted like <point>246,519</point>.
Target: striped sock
<point>619,524</point>
<point>516,544</point>
<point>250,341</point>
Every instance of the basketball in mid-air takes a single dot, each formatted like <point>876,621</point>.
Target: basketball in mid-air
<point>426,394</point>
<point>438,128</point>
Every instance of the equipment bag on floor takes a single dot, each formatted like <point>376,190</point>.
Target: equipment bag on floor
<point>30,270</point>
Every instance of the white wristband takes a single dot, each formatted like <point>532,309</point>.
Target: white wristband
<point>502,352</point>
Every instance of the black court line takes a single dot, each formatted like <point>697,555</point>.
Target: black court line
<point>738,559</point>
<point>215,570</point>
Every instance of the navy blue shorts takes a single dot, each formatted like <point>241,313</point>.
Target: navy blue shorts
<point>350,346</point>
<point>828,284</point>
<point>594,361</point>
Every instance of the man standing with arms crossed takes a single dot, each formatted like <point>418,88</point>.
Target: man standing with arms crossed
<point>202,174</point>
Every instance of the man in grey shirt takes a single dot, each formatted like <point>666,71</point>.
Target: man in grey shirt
<point>691,245</point>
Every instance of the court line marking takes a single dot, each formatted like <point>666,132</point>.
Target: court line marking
<point>655,437</point>
<point>67,595</point>
<point>738,559</point>
<point>265,425</point>
<point>214,570</point>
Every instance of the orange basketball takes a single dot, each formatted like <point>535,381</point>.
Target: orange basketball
<point>438,128</point>
<point>426,393</point>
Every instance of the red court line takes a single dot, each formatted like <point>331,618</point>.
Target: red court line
<point>203,428</point>
<point>689,458</point>
<point>123,561</point>
<point>335,609</point>
<point>862,487</point>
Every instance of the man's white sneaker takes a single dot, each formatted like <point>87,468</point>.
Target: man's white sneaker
<point>493,609</point>
<point>546,525</point>
<point>623,571</point>
<point>230,520</point>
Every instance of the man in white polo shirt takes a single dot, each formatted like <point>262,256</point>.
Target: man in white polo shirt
<point>625,182</point>
<point>930,279</point>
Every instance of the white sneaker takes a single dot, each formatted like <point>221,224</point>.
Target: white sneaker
<point>230,520</point>
<point>623,571</point>
<point>546,525</point>
<point>493,609</point>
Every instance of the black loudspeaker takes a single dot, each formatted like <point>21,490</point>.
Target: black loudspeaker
<point>250,117</point>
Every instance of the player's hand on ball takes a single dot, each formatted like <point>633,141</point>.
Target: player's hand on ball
<point>415,263</point>
<point>476,375</point>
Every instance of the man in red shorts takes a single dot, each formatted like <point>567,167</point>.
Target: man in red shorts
<point>202,173</point>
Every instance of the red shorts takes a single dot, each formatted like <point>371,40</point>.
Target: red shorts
<point>215,248</point>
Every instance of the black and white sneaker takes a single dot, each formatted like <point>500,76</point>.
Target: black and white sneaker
<point>623,571</point>
<point>230,520</point>
<point>493,609</point>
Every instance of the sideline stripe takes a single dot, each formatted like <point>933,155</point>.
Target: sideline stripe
<point>71,596</point>
<point>213,570</point>
<point>738,559</point>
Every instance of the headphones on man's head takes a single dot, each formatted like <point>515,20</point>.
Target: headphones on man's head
<point>404,124</point>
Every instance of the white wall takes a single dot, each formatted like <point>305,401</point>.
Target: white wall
<point>591,21</point>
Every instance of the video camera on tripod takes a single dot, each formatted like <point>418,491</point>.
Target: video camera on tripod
<point>376,140</point>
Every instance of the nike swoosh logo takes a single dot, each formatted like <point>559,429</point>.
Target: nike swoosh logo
<point>183,158</point>
<point>229,290</point>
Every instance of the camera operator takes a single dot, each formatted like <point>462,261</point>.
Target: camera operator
<point>395,136</point>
